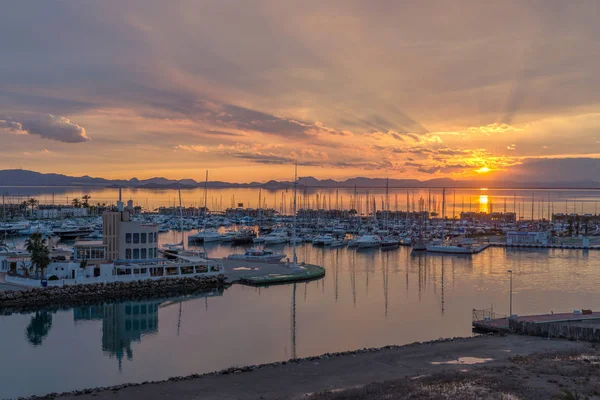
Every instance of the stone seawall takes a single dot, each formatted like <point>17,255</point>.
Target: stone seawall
<point>67,296</point>
<point>563,330</point>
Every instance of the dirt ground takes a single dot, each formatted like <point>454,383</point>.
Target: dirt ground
<point>503,367</point>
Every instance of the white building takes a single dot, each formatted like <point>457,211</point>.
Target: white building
<point>60,212</point>
<point>127,240</point>
<point>525,237</point>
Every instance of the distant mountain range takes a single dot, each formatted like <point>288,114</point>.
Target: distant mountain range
<point>20,177</point>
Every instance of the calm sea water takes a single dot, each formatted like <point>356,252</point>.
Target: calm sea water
<point>367,299</point>
<point>525,202</point>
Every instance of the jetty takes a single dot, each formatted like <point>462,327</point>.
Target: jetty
<point>578,325</point>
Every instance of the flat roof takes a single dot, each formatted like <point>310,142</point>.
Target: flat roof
<point>89,243</point>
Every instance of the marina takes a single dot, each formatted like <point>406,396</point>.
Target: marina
<point>389,297</point>
<point>389,277</point>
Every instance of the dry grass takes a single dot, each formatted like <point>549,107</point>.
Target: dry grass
<point>538,376</point>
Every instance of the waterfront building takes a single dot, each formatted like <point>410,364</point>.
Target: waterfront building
<point>55,212</point>
<point>527,237</point>
<point>240,212</point>
<point>483,217</point>
<point>184,211</point>
<point>582,219</point>
<point>402,215</point>
<point>127,240</point>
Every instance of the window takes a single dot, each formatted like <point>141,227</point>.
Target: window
<point>144,254</point>
<point>128,238</point>
<point>128,254</point>
<point>143,237</point>
<point>136,254</point>
<point>155,237</point>
<point>150,237</point>
<point>136,238</point>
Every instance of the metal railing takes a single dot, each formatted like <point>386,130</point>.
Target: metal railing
<point>487,314</point>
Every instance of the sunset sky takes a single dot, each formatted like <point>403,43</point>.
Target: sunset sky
<point>399,89</point>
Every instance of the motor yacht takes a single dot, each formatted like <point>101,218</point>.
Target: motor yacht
<point>257,255</point>
<point>368,241</point>
<point>323,240</point>
<point>276,237</point>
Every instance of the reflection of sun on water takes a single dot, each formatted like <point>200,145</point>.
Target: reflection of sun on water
<point>483,203</point>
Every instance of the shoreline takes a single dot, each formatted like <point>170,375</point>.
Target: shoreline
<point>296,378</point>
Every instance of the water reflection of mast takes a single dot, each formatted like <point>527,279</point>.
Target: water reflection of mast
<point>385,271</point>
<point>293,327</point>
<point>353,281</point>
<point>336,277</point>
<point>443,304</point>
<point>421,277</point>
<point>179,318</point>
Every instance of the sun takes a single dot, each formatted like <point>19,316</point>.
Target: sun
<point>482,170</point>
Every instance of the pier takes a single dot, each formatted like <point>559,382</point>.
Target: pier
<point>578,325</point>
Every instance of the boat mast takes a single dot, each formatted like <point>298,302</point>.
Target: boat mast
<point>205,212</point>
<point>295,259</point>
<point>180,215</point>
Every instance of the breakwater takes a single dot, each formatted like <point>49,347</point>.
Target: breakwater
<point>565,330</point>
<point>69,296</point>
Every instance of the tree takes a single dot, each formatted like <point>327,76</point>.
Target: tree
<point>86,200</point>
<point>25,207</point>
<point>40,253</point>
<point>39,327</point>
<point>76,203</point>
<point>32,202</point>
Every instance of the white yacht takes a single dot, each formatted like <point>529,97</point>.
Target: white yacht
<point>257,255</point>
<point>368,241</point>
<point>323,240</point>
<point>338,243</point>
<point>449,248</point>
<point>206,236</point>
<point>276,237</point>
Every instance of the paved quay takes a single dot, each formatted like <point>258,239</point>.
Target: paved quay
<point>8,286</point>
<point>239,270</point>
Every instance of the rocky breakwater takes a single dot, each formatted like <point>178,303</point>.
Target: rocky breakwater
<point>75,295</point>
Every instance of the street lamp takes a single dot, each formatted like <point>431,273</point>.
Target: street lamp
<point>511,274</point>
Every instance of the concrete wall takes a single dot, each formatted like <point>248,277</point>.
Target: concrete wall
<point>564,330</point>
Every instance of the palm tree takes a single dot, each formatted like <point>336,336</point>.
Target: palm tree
<point>76,203</point>
<point>25,207</point>
<point>32,202</point>
<point>39,327</point>
<point>86,199</point>
<point>40,253</point>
